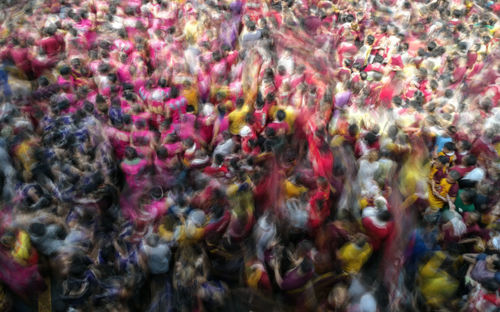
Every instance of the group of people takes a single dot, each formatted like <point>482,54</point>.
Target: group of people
<point>237,155</point>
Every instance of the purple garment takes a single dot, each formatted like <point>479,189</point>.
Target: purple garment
<point>312,23</point>
<point>342,98</point>
<point>293,280</point>
<point>480,273</point>
<point>236,7</point>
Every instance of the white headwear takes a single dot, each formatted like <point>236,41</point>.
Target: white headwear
<point>245,131</point>
<point>367,303</point>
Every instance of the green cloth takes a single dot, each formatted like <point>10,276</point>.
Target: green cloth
<point>461,206</point>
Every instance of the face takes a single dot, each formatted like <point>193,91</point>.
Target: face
<point>338,296</point>
<point>450,179</point>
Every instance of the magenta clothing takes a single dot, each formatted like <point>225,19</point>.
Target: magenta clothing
<point>123,46</point>
<point>206,131</point>
<point>144,116</point>
<point>156,209</point>
<point>177,108</point>
<point>123,74</point>
<point>173,148</point>
<point>158,96</point>
<point>131,170</point>
<point>142,137</point>
<point>119,140</point>
<point>293,280</point>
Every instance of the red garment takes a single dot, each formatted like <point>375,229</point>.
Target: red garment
<point>376,233</point>
<point>52,45</point>
<point>318,214</point>
<point>462,170</point>
<point>279,126</point>
<point>216,171</point>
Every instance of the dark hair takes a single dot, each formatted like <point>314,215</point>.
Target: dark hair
<point>251,25</point>
<point>174,92</point>
<point>371,138</point>
<point>130,152</point>
<point>466,145</point>
<point>162,152</point>
<point>65,70</point>
<point>140,124</point>
<point>37,228</point>
<point>281,115</point>
<point>218,159</point>
<point>384,215</point>
<point>239,102</point>
<point>353,129</point>
<point>470,160</point>
<point>162,82</point>
<point>126,119</point>
<point>397,100</point>
<point>468,195</point>
<point>455,175</point>
<point>443,159</point>
<point>450,146</point>
<point>306,265</point>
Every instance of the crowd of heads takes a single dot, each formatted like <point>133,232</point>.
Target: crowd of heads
<point>236,155</point>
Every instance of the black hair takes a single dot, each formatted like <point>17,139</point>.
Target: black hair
<point>470,160</point>
<point>371,138</point>
<point>370,39</point>
<point>126,119</point>
<point>468,195</point>
<point>65,70</point>
<point>443,159</point>
<point>37,228</point>
<point>174,92</point>
<point>130,152</point>
<point>384,215</point>
<point>280,114</point>
<point>140,124</point>
<point>306,265</point>
<point>162,82</point>
<point>162,152</point>
<point>450,146</point>
<point>466,145</point>
<point>455,175</point>
<point>251,25</point>
<point>218,159</point>
<point>353,129</point>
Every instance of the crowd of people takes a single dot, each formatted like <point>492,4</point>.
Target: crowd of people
<point>237,155</point>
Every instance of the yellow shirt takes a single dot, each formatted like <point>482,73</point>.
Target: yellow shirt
<point>354,257</point>
<point>237,119</point>
<point>191,96</point>
<point>21,251</point>
<point>443,188</point>
<point>191,31</point>
<point>292,190</point>
<point>435,284</point>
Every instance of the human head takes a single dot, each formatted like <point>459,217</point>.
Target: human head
<point>280,115</point>
<point>442,161</point>
<point>453,176</point>
<point>449,147</point>
<point>130,153</point>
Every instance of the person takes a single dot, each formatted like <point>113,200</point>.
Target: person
<point>245,155</point>
<point>442,194</point>
<point>237,117</point>
<point>157,254</point>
